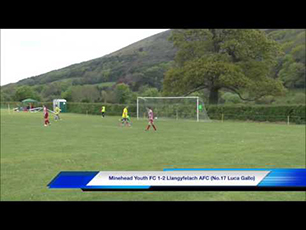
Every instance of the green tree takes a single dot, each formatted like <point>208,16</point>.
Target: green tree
<point>291,67</point>
<point>38,88</point>
<point>292,73</point>
<point>123,93</point>
<point>8,92</point>
<point>239,60</point>
<point>132,98</point>
<point>139,80</point>
<point>105,75</point>
<point>67,95</point>
<point>51,91</point>
<point>108,96</point>
<point>231,98</point>
<point>24,92</point>
<point>86,93</point>
<point>150,92</point>
<point>154,75</point>
<point>4,96</point>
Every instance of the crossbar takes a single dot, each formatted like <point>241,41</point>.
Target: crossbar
<point>167,97</point>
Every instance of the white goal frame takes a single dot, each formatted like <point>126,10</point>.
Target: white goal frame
<point>191,97</point>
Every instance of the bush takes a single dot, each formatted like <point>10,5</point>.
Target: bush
<point>230,112</point>
<point>230,98</point>
<point>265,100</point>
<point>299,98</point>
<point>258,113</point>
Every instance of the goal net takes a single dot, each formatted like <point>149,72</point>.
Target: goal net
<point>191,108</point>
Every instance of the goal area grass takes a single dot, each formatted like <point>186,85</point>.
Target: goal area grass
<point>32,155</point>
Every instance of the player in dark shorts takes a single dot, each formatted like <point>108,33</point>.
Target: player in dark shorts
<point>103,111</point>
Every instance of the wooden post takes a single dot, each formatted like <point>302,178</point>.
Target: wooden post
<point>288,120</point>
<point>222,117</point>
<point>198,109</point>
<point>137,108</point>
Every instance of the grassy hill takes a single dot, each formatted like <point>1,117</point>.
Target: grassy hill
<point>132,59</point>
<point>141,63</point>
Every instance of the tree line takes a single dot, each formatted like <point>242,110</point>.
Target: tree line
<point>120,93</point>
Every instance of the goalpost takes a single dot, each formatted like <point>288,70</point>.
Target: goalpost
<point>191,108</point>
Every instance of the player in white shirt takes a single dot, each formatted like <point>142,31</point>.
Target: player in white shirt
<point>151,119</point>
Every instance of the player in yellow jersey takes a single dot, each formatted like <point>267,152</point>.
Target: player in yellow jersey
<point>103,111</point>
<point>125,117</point>
<point>57,111</point>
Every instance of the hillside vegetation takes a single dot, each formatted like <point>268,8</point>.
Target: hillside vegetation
<point>139,69</point>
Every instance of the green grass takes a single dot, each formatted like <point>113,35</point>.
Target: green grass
<point>32,155</point>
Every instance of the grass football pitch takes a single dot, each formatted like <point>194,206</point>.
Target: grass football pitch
<point>32,155</point>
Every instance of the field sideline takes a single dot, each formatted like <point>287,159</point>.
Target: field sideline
<point>32,155</point>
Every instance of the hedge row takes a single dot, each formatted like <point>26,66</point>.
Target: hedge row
<point>270,113</point>
<point>276,113</point>
<point>95,108</point>
<point>233,112</point>
<point>171,111</point>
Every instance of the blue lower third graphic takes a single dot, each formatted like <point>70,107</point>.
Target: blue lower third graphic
<point>285,178</point>
<point>71,180</point>
<point>288,179</point>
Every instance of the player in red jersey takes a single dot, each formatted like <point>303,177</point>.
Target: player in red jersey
<point>151,119</point>
<point>46,116</point>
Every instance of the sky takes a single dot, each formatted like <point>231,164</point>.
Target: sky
<point>31,52</point>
